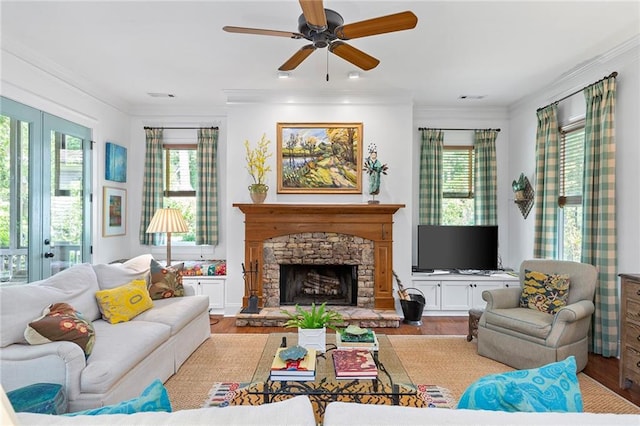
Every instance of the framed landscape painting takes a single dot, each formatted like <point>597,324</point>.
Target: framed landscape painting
<point>114,212</point>
<point>115,163</point>
<point>319,158</point>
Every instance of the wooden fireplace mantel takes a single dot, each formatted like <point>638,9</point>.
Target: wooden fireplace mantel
<point>370,221</point>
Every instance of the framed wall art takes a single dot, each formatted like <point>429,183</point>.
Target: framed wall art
<point>319,158</point>
<point>114,212</point>
<point>115,168</point>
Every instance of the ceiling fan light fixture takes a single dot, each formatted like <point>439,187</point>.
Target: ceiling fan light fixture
<point>354,75</point>
<point>284,74</point>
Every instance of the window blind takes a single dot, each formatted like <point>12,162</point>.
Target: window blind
<point>457,172</point>
<point>572,164</point>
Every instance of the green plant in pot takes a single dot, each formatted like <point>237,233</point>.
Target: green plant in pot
<point>312,324</point>
<point>257,167</point>
<point>519,186</point>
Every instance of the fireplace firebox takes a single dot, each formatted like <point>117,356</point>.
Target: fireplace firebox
<point>305,284</point>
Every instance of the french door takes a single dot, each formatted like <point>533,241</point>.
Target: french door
<point>45,193</point>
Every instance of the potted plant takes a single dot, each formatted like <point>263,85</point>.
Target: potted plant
<point>519,186</point>
<point>312,325</point>
<point>256,166</point>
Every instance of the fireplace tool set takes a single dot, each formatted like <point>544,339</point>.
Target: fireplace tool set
<point>250,283</point>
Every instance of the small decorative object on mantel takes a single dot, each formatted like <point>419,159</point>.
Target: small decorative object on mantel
<point>257,168</point>
<point>523,194</point>
<point>374,168</point>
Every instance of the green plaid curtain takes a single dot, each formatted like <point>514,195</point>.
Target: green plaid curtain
<point>599,212</point>
<point>430,195</point>
<point>485,187</point>
<point>207,191</point>
<point>151,184</point>
<point>547,185</point>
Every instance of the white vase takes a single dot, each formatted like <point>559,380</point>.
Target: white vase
<point>313,338</point>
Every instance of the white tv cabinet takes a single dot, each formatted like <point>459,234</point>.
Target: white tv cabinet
<point>455,294</point>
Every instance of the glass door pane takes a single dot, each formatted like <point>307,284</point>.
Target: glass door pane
<point>14,198</point>
<point>64,229</point>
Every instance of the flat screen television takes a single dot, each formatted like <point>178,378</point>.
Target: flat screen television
<point>457,248</point>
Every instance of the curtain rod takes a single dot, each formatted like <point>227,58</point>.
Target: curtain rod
<point>179,128</point>
<point>467,130</point>
<point>612,75</point>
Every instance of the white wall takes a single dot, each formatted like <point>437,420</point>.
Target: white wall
<point>27,83</point>
<point>625,60</point>
<point>387,123</point>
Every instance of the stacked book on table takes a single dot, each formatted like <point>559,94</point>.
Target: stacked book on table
<point>354,364</point>
<point>300,370</point>
<point>357,338</point>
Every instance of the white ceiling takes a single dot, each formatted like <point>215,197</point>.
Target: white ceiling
<point>121,50</point>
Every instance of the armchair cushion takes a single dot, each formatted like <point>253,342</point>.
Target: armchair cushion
<point>529,322</point>
<point>544,292</point>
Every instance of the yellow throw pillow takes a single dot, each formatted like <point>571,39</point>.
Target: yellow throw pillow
<point>122,303</point>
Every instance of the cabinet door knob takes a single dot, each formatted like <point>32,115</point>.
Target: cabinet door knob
<point>638,292</point>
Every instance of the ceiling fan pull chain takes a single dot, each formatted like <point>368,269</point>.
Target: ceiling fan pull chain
<point>327,64</point>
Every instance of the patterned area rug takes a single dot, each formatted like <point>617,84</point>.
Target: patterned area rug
<point>223,394</point>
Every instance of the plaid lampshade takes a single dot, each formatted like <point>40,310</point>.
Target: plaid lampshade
<point>167,220</point>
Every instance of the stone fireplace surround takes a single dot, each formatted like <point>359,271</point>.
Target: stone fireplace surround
<point>318,248</point>
<point>359,224</point>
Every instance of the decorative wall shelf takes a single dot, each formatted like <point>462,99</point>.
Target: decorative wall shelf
<point>526,202</point>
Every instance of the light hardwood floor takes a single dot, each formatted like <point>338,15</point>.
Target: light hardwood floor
<point>604,370</point>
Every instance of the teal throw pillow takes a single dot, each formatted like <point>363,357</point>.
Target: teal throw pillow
<point>153,398</point>
<point>551,388</point>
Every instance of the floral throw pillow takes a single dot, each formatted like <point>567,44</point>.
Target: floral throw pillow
<point>165,281</point>
<point>544,292</point>
<point>61,322</point>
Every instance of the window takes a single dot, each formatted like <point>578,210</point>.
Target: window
<point>457,185</point>
<point>180,180</point>
<point>570,197</point>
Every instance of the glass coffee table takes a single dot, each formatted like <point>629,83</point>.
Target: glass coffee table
<point>391,385</point>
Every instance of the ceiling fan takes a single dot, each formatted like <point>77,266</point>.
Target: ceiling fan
<point>325,28</point>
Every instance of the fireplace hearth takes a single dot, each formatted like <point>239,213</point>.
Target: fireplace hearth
<point>307,284</point>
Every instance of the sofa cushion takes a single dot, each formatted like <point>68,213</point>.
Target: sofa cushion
<point>61,322</point>
<point>551,388</point>
<point>176,312</point>
<point>544,292</point>
<point>119,348</point>
<point>529,322</point>
<point>21,303</point>
<point>153,398</point>
<point>165,281</point>
<point>122,303</point>
<point>115,275</point>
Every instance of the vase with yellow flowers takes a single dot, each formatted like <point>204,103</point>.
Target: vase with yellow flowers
<point>257,168</point>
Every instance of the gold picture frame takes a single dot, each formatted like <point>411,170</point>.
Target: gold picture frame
<point>323,158</point>
<point>114,211</point>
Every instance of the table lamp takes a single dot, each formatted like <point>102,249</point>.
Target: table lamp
<point>167,220</point>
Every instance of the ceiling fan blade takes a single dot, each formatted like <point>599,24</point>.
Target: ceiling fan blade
<point>313,11</point>
<point>258,31</point>
<point>355,56</point>
<point>383,24</point>
<point>297,58</point>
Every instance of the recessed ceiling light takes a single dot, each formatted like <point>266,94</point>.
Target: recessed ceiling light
<point>284,74</point>
<point>354,75</point>
<point>160,95</point>
<point>472,97</point>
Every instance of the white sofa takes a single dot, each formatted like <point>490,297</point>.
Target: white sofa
<point>298,411</point>
<point>126,356</point>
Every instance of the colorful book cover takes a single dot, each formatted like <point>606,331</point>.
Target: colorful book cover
<point>341,343</point>
<point>354,363</point>
<point>305,365</point>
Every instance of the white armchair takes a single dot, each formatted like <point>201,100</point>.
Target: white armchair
<point>525,338</point>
